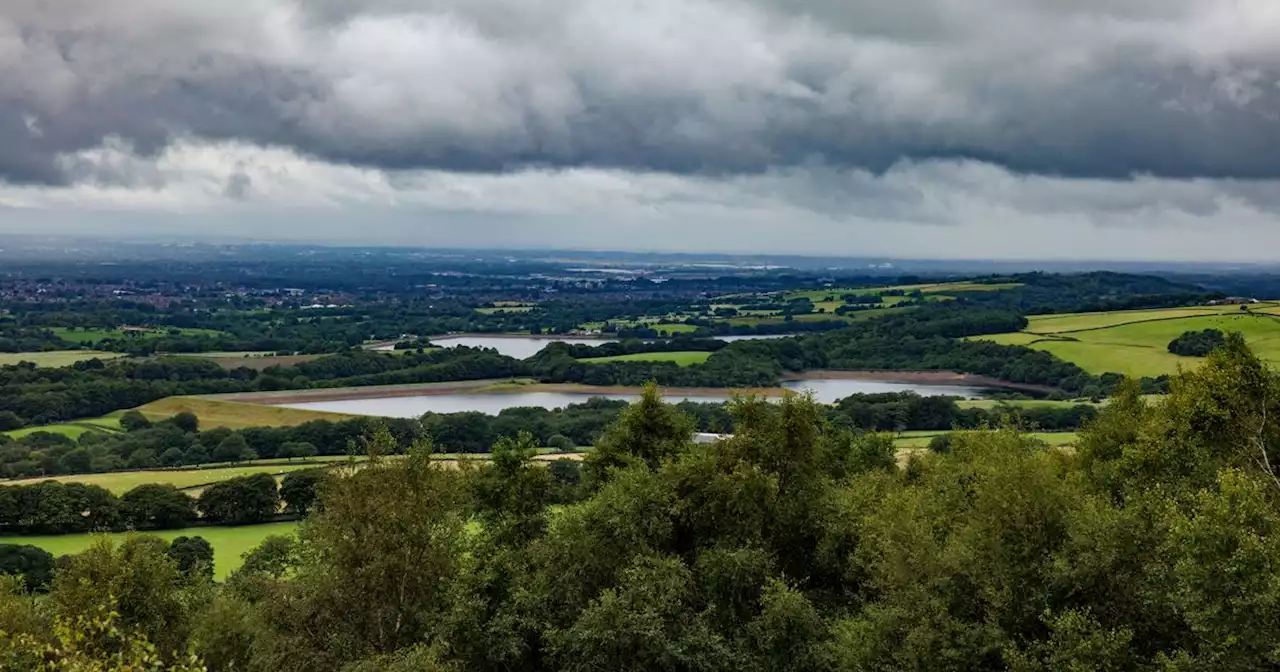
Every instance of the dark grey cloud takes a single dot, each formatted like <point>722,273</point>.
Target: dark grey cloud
<point>708,87</point>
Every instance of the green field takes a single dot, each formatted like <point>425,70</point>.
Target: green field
<point>1071,322</point>
<point>922,439</point>
<point>234,414</point>
<point>55,358</point>
<point>229,543</point>
<point>1135,343</point>
<point>87,336</point>
<point>682,358</point>
<point>1020,403</point>
<point>120,482</point>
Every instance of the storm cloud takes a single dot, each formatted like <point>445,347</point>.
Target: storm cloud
<point>710,88</point>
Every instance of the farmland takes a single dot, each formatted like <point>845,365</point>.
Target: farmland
<point>1135,343</point>
<point>922,439</point>
<point>55,358</point>
<point>233,414</point>
<point>681,358</point>
<point>253,360</point>
<point>229,543</point>
<point>120,482</point>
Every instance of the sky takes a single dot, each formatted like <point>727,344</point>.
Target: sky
<point>1001,129</point>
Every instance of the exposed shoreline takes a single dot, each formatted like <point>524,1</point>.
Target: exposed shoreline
<point>918,377</point>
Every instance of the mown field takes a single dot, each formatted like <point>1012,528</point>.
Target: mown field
<point>93,335</point>
<point>683,358</point>
<point>234,414</point>
<point>120,482</point>
<point>252,360</point>
<point>921,439</point>
<point>229,543</point>
<point>55,358</point>
<point>1135,343</point>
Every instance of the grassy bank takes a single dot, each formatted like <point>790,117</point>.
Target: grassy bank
<point>229,543</point>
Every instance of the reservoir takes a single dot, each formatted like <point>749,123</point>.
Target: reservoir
<point>524,347</point>
<point>824,390</point>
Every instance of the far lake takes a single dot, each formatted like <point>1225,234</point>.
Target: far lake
<point>523,347</point>
<point>824,390</point>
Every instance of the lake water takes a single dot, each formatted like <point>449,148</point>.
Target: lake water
<point>524,347</point>
<point>824,390</point>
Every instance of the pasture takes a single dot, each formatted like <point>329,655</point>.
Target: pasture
<point>91,335</point>
<point>229,543</point>
<point>234,414</point>
<point>120,482</point>
<point>922,439</point>
<point>251,360</point>
<point>683,358</point>
<point>1135,342</point>
<point>55,358</point>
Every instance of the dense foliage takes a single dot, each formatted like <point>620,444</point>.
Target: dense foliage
<point>1197,343</point>
<point>176,442</point>
<point>51,507</point>
<point>795,545</point>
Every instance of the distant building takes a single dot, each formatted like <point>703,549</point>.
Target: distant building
<point>1233,301</point>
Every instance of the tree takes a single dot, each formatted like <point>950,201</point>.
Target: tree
<point>33,565</point>
<point>300,449</point>
<point>132,421</point>
<point>239,501</point>
<point>561,442</point>
<point>10,420</point>
<point>158,506</point>
<point>142,458</point>
<point>647,431</point>
<point>376,565</point>
<point>298,490</point>
<point>173,457</point>
<point>233,449</point>
<point>186,421</point>
<point>274,557</point>
<point>194,557</point>
<point>1197,343</point>
<point>197,453</point>
<point>78,461</point>
<point>138,577</point>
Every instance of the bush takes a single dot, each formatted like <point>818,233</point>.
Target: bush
<point>133,420</point>
<point>1197,343</point>
<point>239,501</point>
<point>157,506</point>
<point>194,556</point>
<point>34,565</point>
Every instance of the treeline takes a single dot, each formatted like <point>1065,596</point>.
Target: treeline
<point>52,507</point>
<point>579,425</point>
<point>44,395</point>
<point>1099,291</point>
<point>794,545</point>
<point>1197,343</point>
<point>178,442</point>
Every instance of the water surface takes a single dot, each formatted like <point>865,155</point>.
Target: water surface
<point>824,390</point>
<point>524,347</point>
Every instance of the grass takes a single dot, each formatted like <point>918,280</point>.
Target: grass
<point>120,482</point>
<point>255,361</point>
<point>1071,322</point>
<point>683,358</point>
<point>55,358</point>
<point>922,439</point>
<point>234,414</point>
<point>229,543</point>
<point>93,335</point>
<point>1135,342</point>
<point>1020,403</point>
